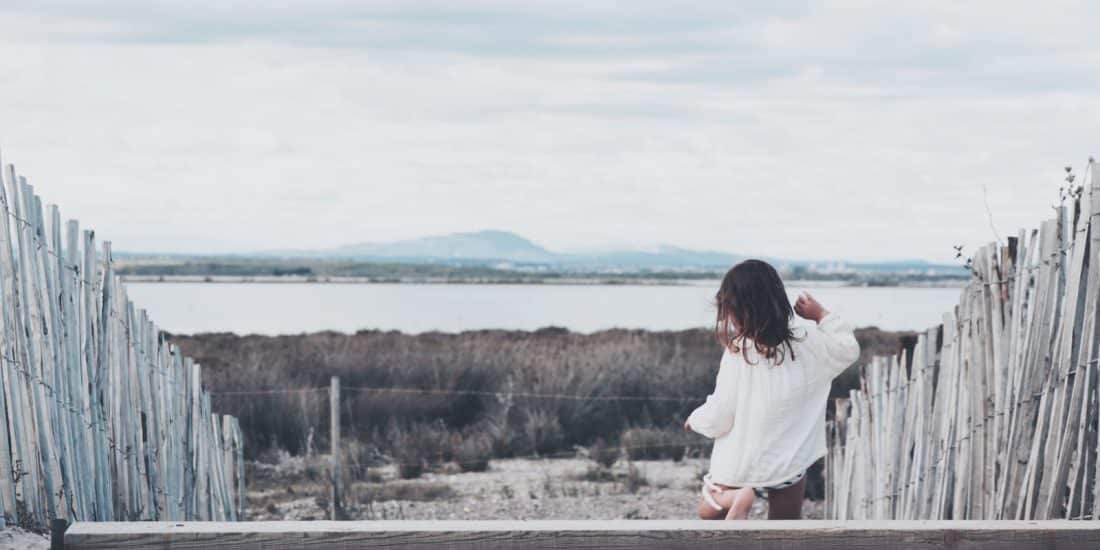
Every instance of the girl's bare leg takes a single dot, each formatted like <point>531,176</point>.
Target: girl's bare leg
<point>735,503</point>
<point>742,503</point>
<point>786,503</point>
<point>706,511</point>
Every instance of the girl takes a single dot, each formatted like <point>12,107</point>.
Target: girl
<point>767,412</point>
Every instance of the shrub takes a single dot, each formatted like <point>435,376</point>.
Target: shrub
<point>504,439</point>
<point>317,470</point>
<point>410,470</point>
<point>544,434</point>
<point>472,452</point>
<point>358,457</point>
<point>418,447</point>
<point>603,454</point>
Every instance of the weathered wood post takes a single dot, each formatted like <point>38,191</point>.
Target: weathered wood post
<point>57,533</point>
<point>334,412</point>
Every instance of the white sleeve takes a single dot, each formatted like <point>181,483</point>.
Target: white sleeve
<point>714,418</point>
<point>839,341</point>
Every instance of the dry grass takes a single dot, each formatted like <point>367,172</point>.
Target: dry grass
<point>424,431</point>
<point>549,361</point>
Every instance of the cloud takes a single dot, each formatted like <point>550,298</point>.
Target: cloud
<point>781,129</point>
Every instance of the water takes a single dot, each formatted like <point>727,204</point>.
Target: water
<point>258,308</point>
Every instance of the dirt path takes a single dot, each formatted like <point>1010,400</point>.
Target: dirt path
<point>511,489</point>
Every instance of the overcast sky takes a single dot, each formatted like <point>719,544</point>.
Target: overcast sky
<point>861,130</point>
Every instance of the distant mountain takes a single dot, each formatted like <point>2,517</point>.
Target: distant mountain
<point>480,245</point>
<point>490,247</point>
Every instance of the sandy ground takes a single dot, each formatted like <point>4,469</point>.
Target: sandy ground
<point>14,537</point>
<point>510,489</point>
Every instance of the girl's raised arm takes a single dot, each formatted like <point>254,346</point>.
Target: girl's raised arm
<point>839,339</point>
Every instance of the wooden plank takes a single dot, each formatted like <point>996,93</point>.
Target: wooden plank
<point>95,378</point>
<point>1094,424</point>
<point>242,493</point>
<point>29,390</point>
<point>8,371</point>
<point>941,471</point>
<point>81,482</point>
<point>1027,295</point>
<point>626,534</point>
<point>840,478</point>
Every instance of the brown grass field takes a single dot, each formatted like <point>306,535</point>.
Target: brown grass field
<point>277,386</point>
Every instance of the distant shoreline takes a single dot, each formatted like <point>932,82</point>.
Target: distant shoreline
<point>557,281</point>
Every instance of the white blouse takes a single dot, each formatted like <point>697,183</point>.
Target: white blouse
<point>768,421</point>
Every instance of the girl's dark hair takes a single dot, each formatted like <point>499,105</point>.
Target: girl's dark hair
<point>753,309</point>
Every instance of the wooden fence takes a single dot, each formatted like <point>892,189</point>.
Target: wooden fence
<point>104,419</point>
<point>994,413</point>
<point>564,535</point>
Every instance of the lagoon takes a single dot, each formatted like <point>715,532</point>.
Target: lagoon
<point>292,308</point>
